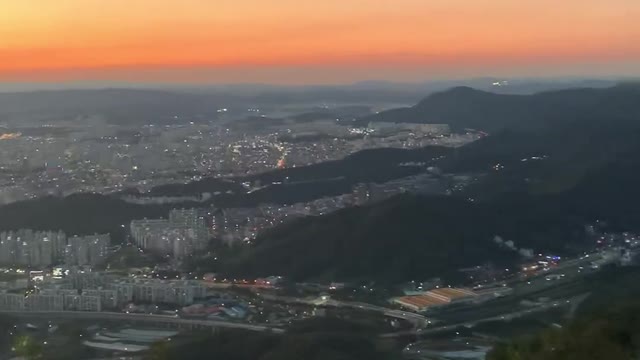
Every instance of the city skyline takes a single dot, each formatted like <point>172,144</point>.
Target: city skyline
<point>289,42</point>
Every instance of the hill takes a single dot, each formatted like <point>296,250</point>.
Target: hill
<point>611,285</point>
<point>344,113</point>
<point>80,214</point>
<point>464,107</point>
<point>539,189</point>
<point>365,165</point>
<point>403,238</point>
<point>609,333</point>
<point>540,204</point>
<point>584,169</point>
<point>194,188</point>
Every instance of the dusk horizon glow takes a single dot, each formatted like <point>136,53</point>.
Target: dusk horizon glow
<point>297,42</point>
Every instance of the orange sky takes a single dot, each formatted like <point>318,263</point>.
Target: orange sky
<point>314,41</point>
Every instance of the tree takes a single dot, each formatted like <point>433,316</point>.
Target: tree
<point>27,347</point>
<point>611,335</point>
<point>159,351</point>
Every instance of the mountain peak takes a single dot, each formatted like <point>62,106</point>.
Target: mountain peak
<point>462,89</point>
<point>465,107</point>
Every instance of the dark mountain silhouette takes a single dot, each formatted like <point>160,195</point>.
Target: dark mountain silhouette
<point>403,238</point>
<point>79,214</point>
<point>411,237</point>
<point>464,107</point>
<point>539,189</point>
<point>345,113</point>
<point>609,332</point>
<point>585,168</point>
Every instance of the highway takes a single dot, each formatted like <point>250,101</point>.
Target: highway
<point>168,319</point>
<point>85,315</point>
<point>399,314</point>
<point>503,317</point>
<point>417,319</point>
<point>529,285</point>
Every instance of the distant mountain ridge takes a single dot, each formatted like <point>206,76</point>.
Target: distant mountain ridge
<point>124,103</point>
<point>118,106</point>
<point>464,107</point>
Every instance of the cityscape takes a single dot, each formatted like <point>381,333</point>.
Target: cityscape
<point>154,278</point>
<point>199,242</point>
<point>188,300</point>
<point>63,159</point>
<point>333,180</point>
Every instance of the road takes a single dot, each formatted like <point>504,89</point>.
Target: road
<point>399,314</point>
<point>503,317</point>
<point>417,319</point>
<point>144,318</point>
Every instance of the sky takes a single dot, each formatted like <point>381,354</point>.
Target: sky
<point>307,41</point>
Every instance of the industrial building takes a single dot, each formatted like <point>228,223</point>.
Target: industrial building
<point>435,298</point>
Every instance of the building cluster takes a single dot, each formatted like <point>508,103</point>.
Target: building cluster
<point>236,225</point>
<point>137,290</point>
<point>31,248</point>
<point>50,160</point>
<point>51,300</point>
<point>180,236</point>
<point>438,297</point>
<point>154,291</point>
<point>87,250</point>
<point>90,291</point>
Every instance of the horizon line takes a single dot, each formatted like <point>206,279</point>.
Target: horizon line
<point>29,86</point>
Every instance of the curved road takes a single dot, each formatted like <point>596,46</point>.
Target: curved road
<point>503,317</point>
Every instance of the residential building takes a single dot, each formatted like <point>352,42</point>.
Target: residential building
<point>82,303</point>
<point>12,302</point>
<point>39,302</point>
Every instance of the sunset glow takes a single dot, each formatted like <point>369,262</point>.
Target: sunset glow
<point>331,40</point>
